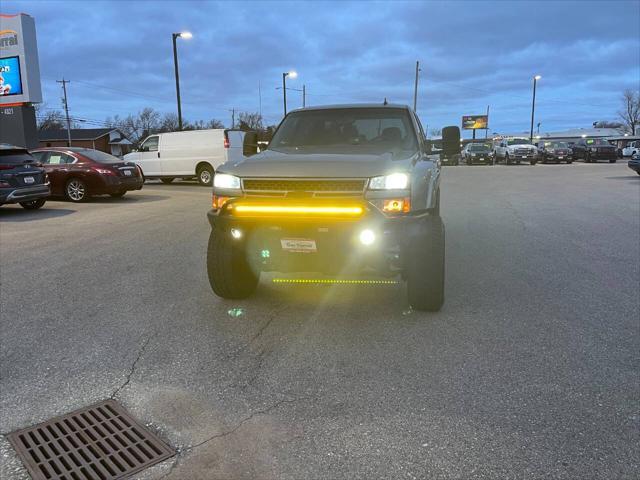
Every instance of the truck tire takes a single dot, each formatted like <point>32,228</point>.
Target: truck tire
<point>425,267</point>
<point>230,275</point>
<point>613,160</point>
<point>507,160</point>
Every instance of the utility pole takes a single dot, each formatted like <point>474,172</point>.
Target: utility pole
<point>415,89</point>
<point>486,130</point>
<point>304,95</point>
<point>533,105</point>
<point>233,117</point>
<point>259,98</point>
<point>66,108</point>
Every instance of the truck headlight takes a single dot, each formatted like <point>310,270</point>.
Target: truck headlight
<point>224,180</point>
<point>395,181</point>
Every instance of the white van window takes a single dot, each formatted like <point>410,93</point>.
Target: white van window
<point>150,144</point>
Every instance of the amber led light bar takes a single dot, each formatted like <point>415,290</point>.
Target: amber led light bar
<point>297,210</point>
<point>334,281</point>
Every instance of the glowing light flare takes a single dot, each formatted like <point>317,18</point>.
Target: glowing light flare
<point>367,237</point>
<point>351,211</point>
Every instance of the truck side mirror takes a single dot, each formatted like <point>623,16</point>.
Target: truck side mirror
<point>250,144</point>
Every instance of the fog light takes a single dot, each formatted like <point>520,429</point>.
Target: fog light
<point>367,237</point>
<point>396,205</point>
<point>235,233</point>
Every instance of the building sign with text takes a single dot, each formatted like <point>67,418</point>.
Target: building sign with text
<point>19,67</point>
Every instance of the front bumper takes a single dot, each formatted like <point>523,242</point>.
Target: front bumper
<point>606,155</point>
<point>24,194</point>
<point>555,157</point>
<point>337,246</point>
<point>481,159</point>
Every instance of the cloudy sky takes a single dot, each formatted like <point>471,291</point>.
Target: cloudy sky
<point>118,57</point>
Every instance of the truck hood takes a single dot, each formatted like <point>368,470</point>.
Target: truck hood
<point>272,163</point>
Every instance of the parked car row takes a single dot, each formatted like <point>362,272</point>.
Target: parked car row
<point>29,178</point>
<point>518,150</point>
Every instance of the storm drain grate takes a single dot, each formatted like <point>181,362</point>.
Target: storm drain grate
<point>99,442</point>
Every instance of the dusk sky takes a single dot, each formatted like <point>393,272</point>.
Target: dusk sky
<point>118,57</point>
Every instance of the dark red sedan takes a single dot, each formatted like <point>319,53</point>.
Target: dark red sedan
<point>78,173</point>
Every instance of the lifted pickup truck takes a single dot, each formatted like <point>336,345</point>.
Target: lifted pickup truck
<point>339,189</point>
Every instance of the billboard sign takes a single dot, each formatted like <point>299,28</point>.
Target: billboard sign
<point>19,66</point>
<point>10,79</point>
<point>475,122</point>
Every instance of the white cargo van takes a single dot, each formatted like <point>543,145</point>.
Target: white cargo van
<point>190,154</point>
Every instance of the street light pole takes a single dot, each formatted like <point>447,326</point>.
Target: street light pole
<point>174,37</point>
<point>284,91</point>
<point>415,88</point>
<point>533,105</point>
<point>291,74</point>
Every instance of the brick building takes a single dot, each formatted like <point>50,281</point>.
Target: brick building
<point>109,140</point>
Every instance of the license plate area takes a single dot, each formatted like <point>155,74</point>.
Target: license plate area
<point>298,245</point>
<point>127,173</point>
<point>28,180</point>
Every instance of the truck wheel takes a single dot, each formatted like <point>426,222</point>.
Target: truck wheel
<point>612,160</point>
<point>230,275</point>
<point>425,267</point>
<point>205,175</point>
<point>507,160</point>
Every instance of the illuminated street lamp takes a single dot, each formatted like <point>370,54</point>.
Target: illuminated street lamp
<point>186,36</point>
<point>533,105</point>
<point>292,74</point>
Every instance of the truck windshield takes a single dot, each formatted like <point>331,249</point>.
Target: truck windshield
<point>371,129</point>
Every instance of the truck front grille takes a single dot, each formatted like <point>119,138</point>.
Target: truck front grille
<point>304,185</point>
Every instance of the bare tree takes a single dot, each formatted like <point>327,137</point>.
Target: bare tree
<point>213,123</point>
<point>169,123</point>
<point>630,112</point>
<point>50,120</point>
<point>250,121</point>
<point>147,122</point>
<point>435,132</point>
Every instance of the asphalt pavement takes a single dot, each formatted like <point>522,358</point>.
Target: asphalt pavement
<point>531,369</point>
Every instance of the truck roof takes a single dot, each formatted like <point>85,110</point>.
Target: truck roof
<point>352,105</point>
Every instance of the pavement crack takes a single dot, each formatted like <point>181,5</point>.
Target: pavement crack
<point>241,423</point>
<point>133,367</point>
<point>272,316</point>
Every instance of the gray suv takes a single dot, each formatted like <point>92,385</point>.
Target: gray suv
<point>340,189</point>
